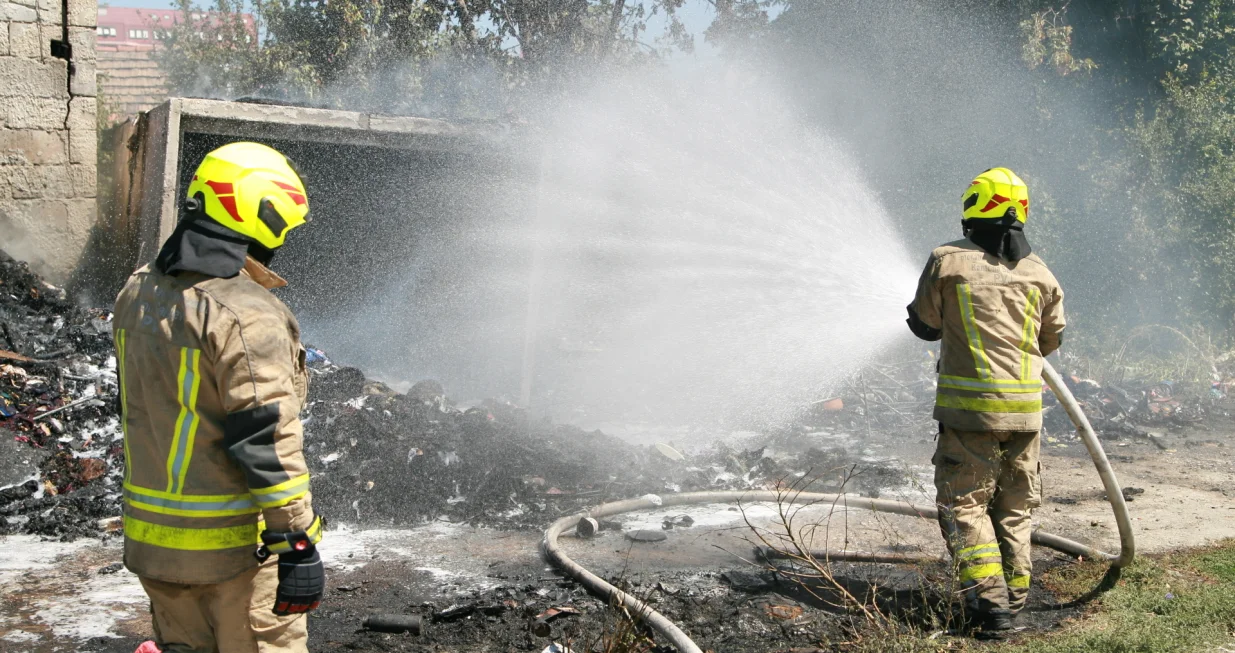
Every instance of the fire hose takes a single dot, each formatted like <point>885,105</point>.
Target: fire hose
<point>679,639</point>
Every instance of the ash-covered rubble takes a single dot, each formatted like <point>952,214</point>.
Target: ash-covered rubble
<point>379,458</point>
<point>61,454</point>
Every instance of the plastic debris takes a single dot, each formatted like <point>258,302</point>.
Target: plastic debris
<point>681,521</point>
<point>646,536</point>
<point>587,527</point>
<point>669,452</point>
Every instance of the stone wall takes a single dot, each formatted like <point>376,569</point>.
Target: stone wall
<point>48,134</point>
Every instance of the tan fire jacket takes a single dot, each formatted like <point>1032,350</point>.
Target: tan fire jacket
<point>212,380</point>
<point>998,319</point>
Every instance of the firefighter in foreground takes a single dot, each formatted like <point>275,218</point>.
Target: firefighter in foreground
<point>998,310</point>
<point>218,520</point>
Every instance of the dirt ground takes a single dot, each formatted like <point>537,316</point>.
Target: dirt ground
<point>480,589</point>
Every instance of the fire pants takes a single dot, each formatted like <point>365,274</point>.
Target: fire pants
<point>987,483</point>
<point>234,616</point>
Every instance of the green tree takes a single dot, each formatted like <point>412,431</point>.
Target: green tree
<point>400,51</point>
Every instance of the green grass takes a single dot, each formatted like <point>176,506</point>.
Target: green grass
<point>1182,601</point>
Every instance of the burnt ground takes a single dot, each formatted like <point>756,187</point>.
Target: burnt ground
<point>436,508</point>
<point>480,588</point>
<point>721,602</point>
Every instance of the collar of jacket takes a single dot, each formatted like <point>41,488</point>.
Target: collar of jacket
<point>1007,243</point>
<point>264,276</point>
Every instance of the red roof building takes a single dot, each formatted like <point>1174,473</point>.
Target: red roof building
<point>130,79</point>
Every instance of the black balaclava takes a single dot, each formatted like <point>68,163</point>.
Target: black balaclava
<point>199,244</point>
<point>1003,238</point>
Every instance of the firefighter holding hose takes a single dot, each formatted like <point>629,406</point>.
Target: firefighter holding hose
<point>218,520</point>
<point>998,311</point>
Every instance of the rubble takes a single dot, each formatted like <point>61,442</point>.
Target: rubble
<point>61,457</point>
<point>381,458</point>
<point>378,457</point>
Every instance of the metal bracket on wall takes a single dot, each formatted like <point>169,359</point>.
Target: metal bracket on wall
<point>61,48</point>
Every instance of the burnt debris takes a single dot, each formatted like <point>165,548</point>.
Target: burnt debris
<point>378,457</point>
<point>61,454</point>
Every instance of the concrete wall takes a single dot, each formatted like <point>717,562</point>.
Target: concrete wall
<point>48,135</point>
<point>156,160</point>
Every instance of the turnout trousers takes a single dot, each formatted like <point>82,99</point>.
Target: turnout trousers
<point>987,483</point>
<point>234,616</point>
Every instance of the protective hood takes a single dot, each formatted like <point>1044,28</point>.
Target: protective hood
<point>1004,241</point>
<point>198,244</point>
<point>203,247</point>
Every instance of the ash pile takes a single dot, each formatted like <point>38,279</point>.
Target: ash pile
<point>61,450</point>
<point>378,457</point>
<point>382,458</point>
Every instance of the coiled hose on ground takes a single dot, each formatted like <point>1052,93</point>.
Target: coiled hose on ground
<point>670,631</point>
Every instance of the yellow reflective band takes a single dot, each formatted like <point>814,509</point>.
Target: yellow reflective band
<point>964,294</point>
<point>979,551</point>
<point>195,420</point>
<point>163,503</point>
<point>314,533</point>
<point>1014,386</point>
<point>989,405</point>
<point>282,494</point>
<point>1018,581</point>
<point>121,338</point>
<point>184,497</point>
<point>978,572</point>
<point>188,383</point>
<point>1028,332</point>
<point>191,539</point>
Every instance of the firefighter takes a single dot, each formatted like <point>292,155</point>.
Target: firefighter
<point>998,311</point>
<point>218,519</point>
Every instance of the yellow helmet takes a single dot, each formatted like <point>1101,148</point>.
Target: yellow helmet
<point>253,190</point>
<point>992,194</point>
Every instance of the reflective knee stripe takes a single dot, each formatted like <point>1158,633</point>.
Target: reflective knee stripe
<point>121,341</point>
<point>282,494</point>
<point>989,385</point>
<point>186,424</point>
<point>978,572</point>
<point>989,405</point>
<point>184,505</point>
<point>191,539</point>
<point>1028,332</point>
<point>1017,580</point>
<point>979,551</point>
<point>964,294</point>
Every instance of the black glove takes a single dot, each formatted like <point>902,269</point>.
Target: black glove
<point>302,579</point>
<point>920,328</point>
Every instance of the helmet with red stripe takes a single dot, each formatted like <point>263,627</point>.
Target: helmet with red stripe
<point>995,194</point>
<point>253,190</point>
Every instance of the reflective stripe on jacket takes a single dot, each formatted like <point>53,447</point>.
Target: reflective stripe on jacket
<point>998,319</point>
<point>212,381</point>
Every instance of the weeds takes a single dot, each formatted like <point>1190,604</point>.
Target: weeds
<point>804,540</point>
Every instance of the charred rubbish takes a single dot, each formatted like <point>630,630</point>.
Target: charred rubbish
<point>378,457</point>
<point>382,458</point>
<point>61,448</point>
